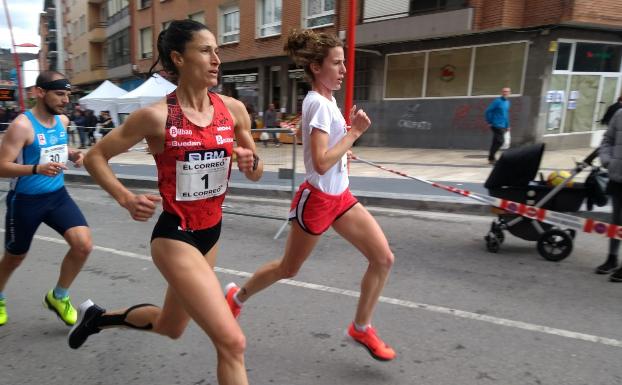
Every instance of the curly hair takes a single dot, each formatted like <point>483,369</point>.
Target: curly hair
<point>306,47</point>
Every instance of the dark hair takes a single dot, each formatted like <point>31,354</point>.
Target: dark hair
<point>620,99</point>
<point>48,76</point>
<point>174,38</point>
<point>306,47</point>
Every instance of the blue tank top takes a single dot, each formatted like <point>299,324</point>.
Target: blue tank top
<point>49,145</point>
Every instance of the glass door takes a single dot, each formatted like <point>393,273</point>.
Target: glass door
<point>581,103</point>
<point>607,97</point>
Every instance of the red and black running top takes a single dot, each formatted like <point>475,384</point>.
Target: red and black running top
<point>194,168</point>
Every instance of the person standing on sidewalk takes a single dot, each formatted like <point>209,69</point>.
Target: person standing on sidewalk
<point>611,110</point>
<point>610,153</point>
<point>270,121</point>
<point>191,135</point>
<point>33,153</point>
<point>324,199</point>
<point>498,117</point>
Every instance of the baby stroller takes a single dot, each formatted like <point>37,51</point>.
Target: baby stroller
<point>512,178</point>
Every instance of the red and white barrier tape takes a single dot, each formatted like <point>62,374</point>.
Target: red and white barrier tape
<point>554,218</point>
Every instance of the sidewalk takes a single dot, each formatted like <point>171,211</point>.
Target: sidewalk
<point>447,165</point>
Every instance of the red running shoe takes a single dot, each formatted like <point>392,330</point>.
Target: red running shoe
<point>370,340</point>
<point>230,291</point>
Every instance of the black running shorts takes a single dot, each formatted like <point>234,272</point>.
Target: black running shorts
<point>168,226</point>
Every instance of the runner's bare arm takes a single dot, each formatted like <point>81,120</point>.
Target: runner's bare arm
<point>18,135</point>
<point>323,157</point>
<point>244,139</point>
<point>147,122</point>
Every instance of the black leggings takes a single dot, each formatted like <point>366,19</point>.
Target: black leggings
<point>497,141</point>
<point>615,189</point>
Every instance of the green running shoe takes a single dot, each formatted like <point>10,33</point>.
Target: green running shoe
<point>3,316</point>
<point>62,307</point>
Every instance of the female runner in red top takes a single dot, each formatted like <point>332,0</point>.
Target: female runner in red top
<point>191,135</point>
<point>324,199</point>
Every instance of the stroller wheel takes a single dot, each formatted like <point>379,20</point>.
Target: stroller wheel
<point>555,245</point>
<point>495,229</point>
<point>492,242</point>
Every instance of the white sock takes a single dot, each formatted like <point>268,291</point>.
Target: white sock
<point>360,328</point>
<point>235,298</point>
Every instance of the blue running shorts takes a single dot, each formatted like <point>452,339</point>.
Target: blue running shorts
<point>25,212</point>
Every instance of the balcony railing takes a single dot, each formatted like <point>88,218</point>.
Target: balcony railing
<point>98,24</point>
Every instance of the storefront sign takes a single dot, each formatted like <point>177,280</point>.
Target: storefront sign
<point>7,94</point>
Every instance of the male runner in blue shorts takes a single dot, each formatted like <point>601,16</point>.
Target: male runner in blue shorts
<point>33,154</point>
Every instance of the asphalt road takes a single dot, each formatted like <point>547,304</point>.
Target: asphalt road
<point>455,313</point>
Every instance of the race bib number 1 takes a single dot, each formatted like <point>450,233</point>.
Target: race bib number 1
<point>58,154</point>
<point>202,179</point>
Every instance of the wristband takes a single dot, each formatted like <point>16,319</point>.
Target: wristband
<point>34,169</point>
<point>255,162</point>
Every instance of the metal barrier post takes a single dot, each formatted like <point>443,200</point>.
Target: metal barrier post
<point>293,192</point>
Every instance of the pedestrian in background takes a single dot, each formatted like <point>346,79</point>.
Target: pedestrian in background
<point>78,119</point>
<point>610,153</point>
<point>611,110</point>
<point>90,122</point>
<point>498,117</point>
<point>271,121</point>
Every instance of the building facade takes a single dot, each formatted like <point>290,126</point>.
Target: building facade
<point>430,68</point>
<point>425,69</point>
<point>251,35</point>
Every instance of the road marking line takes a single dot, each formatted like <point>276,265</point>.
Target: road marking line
<point>393,301</point>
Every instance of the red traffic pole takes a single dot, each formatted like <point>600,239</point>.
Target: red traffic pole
<point>350,60</point>
<point>16,58</point>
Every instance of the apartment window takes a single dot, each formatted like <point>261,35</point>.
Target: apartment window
<point>269,17</point>
<point>117,6</point>
<point>146,43</point>
<point>198,16</point>
<point>166,24</point>
<point>498,66</point>
<point>117,49</point>
<point>422,6</point>
<point>319,13</point>
<point>230,25</point>
<point>145,3</point>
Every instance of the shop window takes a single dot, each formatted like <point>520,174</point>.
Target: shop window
<point>594,57</point>
<point>230,25</point>
<point>498,66</point>
<point>319,13</point>
<point>405,75</point>
<point>563,56</point>
<point>448,72</point>
<point>269,14</point>
<point>146,43</point>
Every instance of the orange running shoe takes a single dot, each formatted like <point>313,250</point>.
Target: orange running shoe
<point>370,340</point>
<point>230,291</point>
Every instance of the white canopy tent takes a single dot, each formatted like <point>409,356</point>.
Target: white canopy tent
<point>152,90</point>
<point>104,98</point>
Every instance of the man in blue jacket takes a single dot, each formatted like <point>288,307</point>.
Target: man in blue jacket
<point>498,116</point>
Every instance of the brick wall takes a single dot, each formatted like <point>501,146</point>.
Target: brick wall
<point>492,14</point>
<point>249,47</point>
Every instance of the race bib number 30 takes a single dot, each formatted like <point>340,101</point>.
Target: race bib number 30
<point>202,179</point>
<point>58,154</point>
